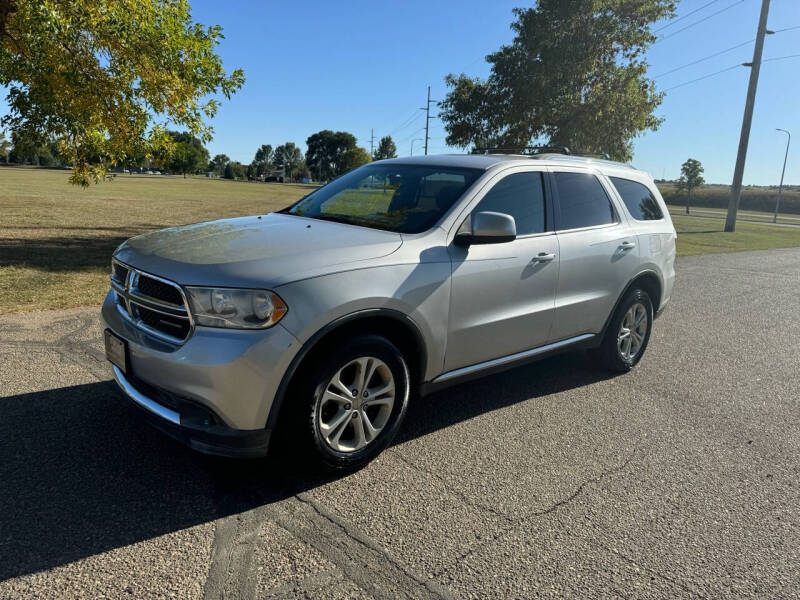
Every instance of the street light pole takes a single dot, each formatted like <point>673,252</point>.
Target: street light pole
<point>780,187</point>
<point>412,144</point>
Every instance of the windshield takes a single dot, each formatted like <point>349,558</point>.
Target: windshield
<point>394,197</point>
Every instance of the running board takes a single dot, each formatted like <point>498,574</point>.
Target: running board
<point>510,359</point>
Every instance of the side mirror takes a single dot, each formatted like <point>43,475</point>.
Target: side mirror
<point>487,228</point>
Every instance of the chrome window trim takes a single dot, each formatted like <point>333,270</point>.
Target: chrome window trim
<point>126,291</point>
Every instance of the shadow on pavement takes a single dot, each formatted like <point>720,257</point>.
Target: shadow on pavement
<point>81,474</point>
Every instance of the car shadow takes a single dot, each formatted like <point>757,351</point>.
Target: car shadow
<point>82,475</point>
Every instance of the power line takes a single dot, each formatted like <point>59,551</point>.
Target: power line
<point>730,69</point>
<point>673,21</point>
<point>699,60</point>
<point>703,20</point>
<point>703,77</point>
<point>780,57</point>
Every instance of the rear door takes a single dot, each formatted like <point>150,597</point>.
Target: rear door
<point>598,249</point>
<point>503,295</point>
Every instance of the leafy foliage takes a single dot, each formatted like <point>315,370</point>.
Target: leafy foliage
<point>386,149</point>
<point>235,170</point>
<point>354,158</point>
<point>262,162</point>
<point>289,158</point>
<point>325,152</point>
<point>691,177</point>
<point>218,164</point>
<point>574,76</point>
<point>94,74</point>
<point>5,146</point>
<point>188,155</point>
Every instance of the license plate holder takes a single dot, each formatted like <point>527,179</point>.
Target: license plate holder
<point>116,351</point>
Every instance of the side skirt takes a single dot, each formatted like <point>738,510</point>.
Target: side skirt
<point>585,341</point>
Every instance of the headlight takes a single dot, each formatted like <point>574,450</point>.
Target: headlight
<point>235,308</point>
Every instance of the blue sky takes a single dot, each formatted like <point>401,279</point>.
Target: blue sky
<point>357,64</point>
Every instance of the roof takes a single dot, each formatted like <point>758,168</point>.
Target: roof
<point>487,161</point>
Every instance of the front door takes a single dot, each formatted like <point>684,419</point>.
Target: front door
<point>503,295</point>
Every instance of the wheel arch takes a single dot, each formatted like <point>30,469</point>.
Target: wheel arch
<point>396,326</point>
<point>650,282</point>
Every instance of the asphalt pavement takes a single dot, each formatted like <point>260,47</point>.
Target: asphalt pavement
<point>680,479</point>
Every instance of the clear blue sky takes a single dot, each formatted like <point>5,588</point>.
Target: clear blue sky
<point>360,64</point>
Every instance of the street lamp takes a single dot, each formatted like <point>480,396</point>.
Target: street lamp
<point>780,188</point>
<point>412,144</point>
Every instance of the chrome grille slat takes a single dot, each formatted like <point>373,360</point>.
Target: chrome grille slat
<point>174,325</point>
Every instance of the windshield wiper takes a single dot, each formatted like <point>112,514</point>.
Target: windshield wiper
<point>334,218</point>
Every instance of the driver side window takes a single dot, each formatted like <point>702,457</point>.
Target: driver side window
<point>520,195</point>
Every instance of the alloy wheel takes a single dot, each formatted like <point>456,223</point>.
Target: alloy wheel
<point>632,331</point>
<point>356,404</point>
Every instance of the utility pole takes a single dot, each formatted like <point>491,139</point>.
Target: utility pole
<point>372,142</point>
<point>780,187</point>
<point>427,110</point>
<point>744,139</point>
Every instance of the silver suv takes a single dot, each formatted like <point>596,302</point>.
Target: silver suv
<point>318,323</point>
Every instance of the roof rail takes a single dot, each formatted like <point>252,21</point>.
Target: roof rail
<point>524,150</point>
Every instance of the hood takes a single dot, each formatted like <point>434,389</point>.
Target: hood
<point>255,251</point>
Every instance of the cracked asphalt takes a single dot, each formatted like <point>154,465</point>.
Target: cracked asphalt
<point>678,480</point>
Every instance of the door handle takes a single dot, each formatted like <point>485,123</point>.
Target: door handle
<point>626,245</point>
<point>544,257</point>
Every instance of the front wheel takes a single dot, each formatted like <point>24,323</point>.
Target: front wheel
<point>355,403</point>
<point>628,332</point>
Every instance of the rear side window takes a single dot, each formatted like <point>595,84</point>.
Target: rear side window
<point>583,201</point>
<point>638,199</point>
<point>520,195</point>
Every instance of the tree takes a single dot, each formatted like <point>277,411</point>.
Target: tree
<point>289,158</point>
<point>691,177</point>
<point>188,155</point>
<point>262,163</point>
<point>235,170</point>
<point>324,153</point>
<point>96,75</point>
<point>218,164</point>
<point>354,158</point>
<point>574,76</point>
<point>5,147</point>
<point>386,149</point>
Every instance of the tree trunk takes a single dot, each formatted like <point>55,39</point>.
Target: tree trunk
<point>688,195</point>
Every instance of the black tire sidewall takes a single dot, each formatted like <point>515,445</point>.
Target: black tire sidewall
<point>609,350</point>
<point>317,379</point>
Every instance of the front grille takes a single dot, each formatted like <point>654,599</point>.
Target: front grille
<point>151,303</point>
<point>177,327</point>
<point>120,273</point>
<point>158,290</point>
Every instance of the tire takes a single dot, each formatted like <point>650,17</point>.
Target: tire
<point>366,424</point>
<point>618,352</point>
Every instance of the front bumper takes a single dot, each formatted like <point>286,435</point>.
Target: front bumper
<point>204,435</point>
<point>230,376</point>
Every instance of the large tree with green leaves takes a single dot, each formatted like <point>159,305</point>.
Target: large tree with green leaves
<point>262,162</point>
<point>386,149</point>
<point>289,158</point>
<point>354,158</point>
<point>218,164</point>
<point>691,177</point>
<point>97,74</point>
<point>5,147</point>
<point>325,150</point>
<point>574,76</point>
<point>188,155</point>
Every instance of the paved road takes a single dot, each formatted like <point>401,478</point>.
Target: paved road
<point>679,480</point>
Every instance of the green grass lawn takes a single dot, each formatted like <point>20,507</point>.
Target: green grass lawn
<point>56,240</point>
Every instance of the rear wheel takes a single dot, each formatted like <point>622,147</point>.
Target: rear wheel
<point>628,332</point>
<point>353,406</point>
